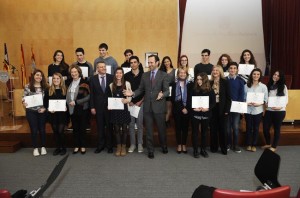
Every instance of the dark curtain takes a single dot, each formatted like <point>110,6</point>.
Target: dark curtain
<point>182,5</point>
<point>281,25</point>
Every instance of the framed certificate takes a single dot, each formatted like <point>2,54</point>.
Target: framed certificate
<point>200,101</point>
<point>245,69</point>
<point>255,98</point>
<point>238,107</point>
<point>57,105</point>
<point>85,71</point>
<point>277,101</point>
<point>34,100</point>
<point>146,57</point>
<point>108,69</point>
<point>115,104</point>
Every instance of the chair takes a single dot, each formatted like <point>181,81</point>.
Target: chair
<point>4,193</point>
<point>280,192</point>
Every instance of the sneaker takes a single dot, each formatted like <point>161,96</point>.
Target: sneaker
<point>248,148</point>
<point>131,148</point>
<point>253,148</point>
<point>43,151</point>
<point>36,152</point>
<point>228,147</point>
<point>56,151</point>
<point>237,149</point>
<point>140,148</point>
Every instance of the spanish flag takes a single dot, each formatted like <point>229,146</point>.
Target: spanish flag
<point>23,68</point>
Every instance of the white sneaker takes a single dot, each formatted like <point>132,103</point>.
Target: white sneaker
<point>135,127</point>
<point>43,151</point>
<point>36,152</point>
<point>131,148</point>
<point>140,148</point>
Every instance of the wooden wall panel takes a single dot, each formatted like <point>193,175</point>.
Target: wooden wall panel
<point>50,25</point>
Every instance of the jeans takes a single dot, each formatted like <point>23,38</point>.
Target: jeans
<point>139,123</point>
<point>37,122</point>
<point>252,127</point>
<point>233,128</point>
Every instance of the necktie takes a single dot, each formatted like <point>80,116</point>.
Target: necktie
<point>103,84</point>
<point>152,78</point>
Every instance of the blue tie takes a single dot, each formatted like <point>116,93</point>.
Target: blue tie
<point>103,84</point>
<point>152,78</point>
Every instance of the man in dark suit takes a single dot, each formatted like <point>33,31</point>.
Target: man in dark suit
<point>99,86</point>
<point>155,85</point>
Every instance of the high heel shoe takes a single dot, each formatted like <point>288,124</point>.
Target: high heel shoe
<point>179,149</point>
<point>75,150</point>
<point>83,151</point>
<point>184,149</point>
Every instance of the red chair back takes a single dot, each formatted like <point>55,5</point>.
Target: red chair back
<point>280,192</point>
<point>4,194</point>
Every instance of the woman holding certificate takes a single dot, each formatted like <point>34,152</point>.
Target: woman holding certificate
<point>78,96</point>
<point>199,113</point>
<point>180,110</point>
<point>256,94</point>
<point>120,117</point>
<point>247,58</point>
<point>219,120</point>
<point>35,110</point>
<point>275,112</point>
<point>55,102</point>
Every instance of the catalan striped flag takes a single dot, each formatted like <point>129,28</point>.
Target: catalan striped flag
<point>33,65</point>
<point>6,60</point>
<point>23,67</point>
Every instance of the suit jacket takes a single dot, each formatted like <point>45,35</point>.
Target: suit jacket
<point>98,97</point>
<point>161,83</point>
<point>224,96</point>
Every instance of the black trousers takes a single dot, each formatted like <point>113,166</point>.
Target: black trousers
<point>181,127</point>
<point>79,123</point>
<point>195,130</point>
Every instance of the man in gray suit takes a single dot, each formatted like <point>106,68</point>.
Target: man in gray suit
<point>155,85</point>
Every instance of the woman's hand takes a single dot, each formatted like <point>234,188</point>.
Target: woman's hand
<point>72,103</point>
<point>42,110</point>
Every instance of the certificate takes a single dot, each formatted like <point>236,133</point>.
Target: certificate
<point>50,80</point>
<point>277,101</point>
<point>126,69</point>
<point>209,77</point>
<point>108,69</point>
<point>200,101</point>
<point>226,74</point>
<point>238,107</point>
<point>255,98</point>
<point>34,100</point>
<point>57,105</point>
<point>115,104</point>
<point>245,69</point>
<point>170,90</point>
<point>134,111</point>
<point>85,71</point>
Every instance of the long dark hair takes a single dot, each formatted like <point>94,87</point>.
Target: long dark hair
<point>250,79</point>
<point>252,59</point>
<point>63,65</point>
<point>205,87</point>
<point>43,82</point>
<point>114,84</point>
<point>163,66</point>
<point>280,83</point>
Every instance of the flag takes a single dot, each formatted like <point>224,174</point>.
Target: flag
<point>23,67</point>
<point>6,60</point>
<point>32,60</point>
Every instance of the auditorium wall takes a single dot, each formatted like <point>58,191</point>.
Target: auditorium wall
<point>46,26</point>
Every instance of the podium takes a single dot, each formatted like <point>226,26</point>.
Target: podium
<point>7,109</point>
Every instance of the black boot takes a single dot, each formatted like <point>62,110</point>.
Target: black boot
<point>196,153</point>
<point>204,153</point>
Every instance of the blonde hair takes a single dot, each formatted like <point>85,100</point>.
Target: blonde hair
<point>220,69</point>
<point>61,85</point>
<point>184,69</point>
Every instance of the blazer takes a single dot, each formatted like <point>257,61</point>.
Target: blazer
<point>224,96</point>
<point>98,98</point>
<point>161,83</point>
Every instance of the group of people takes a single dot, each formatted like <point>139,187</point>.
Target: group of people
<point>158,93</point>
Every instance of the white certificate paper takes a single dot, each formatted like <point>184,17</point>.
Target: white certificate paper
<point>226,74</point>
<point>50,80</point>
<point>277,101</point>
<point>57,105</point>
<point>85,71</point>
<point>134,110</point>
<point>108,69</point>
<point>170,90</point>
<point>238,107</point>
<point>255,98</point>
<point>34,100</point>
<point>126,69</point>
<point>200,101</point>
<point>115,104</point>
<point>245,69</point>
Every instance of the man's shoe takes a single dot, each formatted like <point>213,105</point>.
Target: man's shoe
<point>110,150</point>
<point>43,151</point>
<point>237,149</point>
<point>63,151</point>
<point>196,154</point>
<point>131,148</point>
<point>224,151</point>
<point>151,155</point>
<point>140,148</point>
<point>164,149</point>
<point>56,151</point>
<point>204,153</point>
<point>98,150</point>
